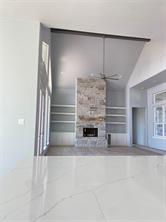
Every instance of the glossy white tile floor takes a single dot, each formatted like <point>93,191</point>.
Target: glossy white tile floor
<point>85,189</point>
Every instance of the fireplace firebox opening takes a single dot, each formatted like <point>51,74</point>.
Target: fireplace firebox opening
<point>90,132</point>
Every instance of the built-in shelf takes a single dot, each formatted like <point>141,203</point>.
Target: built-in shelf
<point>116,123</point>
<point>115,107</point>
<point>118,112</point>
<point>61,111</point>
<point>58,113</point>
<point>118,115</point>
<point>56,105</point>
<point>61,121</point>
<point>71,105</point>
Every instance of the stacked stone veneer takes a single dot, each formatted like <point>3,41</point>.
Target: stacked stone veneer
<point>91,111</point>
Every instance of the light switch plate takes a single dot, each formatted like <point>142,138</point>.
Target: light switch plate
<point>21,121</point>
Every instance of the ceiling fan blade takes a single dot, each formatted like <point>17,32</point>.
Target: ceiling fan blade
<point>114,77</point>
<point>110,77</point>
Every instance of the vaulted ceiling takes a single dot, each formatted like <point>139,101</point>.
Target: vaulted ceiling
<point>76,56</point>
<point>143,18</point>
<point>139,18</point>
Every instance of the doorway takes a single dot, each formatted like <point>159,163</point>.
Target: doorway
<point>139,126</point>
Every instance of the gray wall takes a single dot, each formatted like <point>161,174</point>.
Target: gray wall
<point>138,97</point>
<point>80,56</point>
<point>63,95</point>
<point>115,98</point>
<point>121,57</point>
<point>67,96</point>
<point>19,44</point>
<point>74,56</point>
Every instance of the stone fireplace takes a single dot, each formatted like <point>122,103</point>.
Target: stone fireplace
<point>91,113</point>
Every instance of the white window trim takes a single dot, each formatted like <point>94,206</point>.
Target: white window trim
<point>155,105</point>
<point>159,103</point>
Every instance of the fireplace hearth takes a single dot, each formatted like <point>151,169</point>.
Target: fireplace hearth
<point>90,132</point>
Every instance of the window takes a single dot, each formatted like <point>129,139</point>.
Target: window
<point>160,97</point>
<point>45,53</point>
<point>159,101</point>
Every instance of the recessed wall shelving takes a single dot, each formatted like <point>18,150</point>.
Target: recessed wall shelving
<point>61,121</point>
<point>115,107</point>
<point>58,113</point>
<point>116,123</point>
<point>116,119</point>
<point>63,118</point>
<point>60,105</point>
<point>120,115</point>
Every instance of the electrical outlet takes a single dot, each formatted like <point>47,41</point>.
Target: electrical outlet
<point>21,121</point>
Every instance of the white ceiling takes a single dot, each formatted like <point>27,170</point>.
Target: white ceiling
<point>151,82</point>
<point>142,18</point>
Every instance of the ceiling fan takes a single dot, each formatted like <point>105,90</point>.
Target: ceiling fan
<point>103,75</point>
<point>110,77</point>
